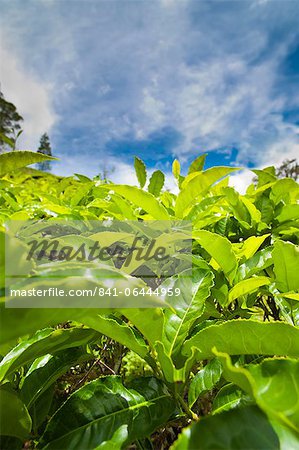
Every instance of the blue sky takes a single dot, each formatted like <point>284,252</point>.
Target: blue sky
<point>159,79</point>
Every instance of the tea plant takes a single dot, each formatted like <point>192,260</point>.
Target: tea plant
<point>220,368</point>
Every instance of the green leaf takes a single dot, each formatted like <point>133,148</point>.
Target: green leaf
<point>149,321</point>
<point>40,409</point>
<point>291,295</point>
<point>140,170</point>
<point>274,385</point>
<point>186,308</point>
<point>142,199</point>
<point>288,212</point>
<point>43,342</point>
<point>229,397</point>
<point>196,184</point>
<point>265,176</point>
<point>288,438</point>
<point>17,322</point>
<point>204,380</point>
<point>14,417</point>
<point>118,330</point>
<point>286,263</point>
<point>246,286</point>
<point>156,183</point>
<point>256,264</point>
<point>46,370</point>
<point>8,141</point>
<point>283,190</point>
<point>82,178</point>
<point>239,429</point>
<point>176,168</point>
<point>277,387</point>
<point>93,414</point>
<point>220,248</point>
<point>198,164</point>
<point>14,160</point>
<point>250,246</point>
<point>239,210</point>
<point>171,373</point>
<point>245,337</point>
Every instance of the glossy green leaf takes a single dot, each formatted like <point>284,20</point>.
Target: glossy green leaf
<point>265,176</point>
<point>274,385</point>
<point>93,414</point>
<point>246,286</point>
<point>229,397</point>
<point>239,429</point>
<point>43,342</point>
<point>245,337</point>
<point>291,295</point>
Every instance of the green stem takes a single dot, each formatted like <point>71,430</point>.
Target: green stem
<point>184,405</point>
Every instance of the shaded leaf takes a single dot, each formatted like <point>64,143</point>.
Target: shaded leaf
<point>198,164</point>
<point>14,417</point>
<point>204,380</point>
<point>140,171</point>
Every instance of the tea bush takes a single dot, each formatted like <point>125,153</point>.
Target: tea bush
<point>219,369</point>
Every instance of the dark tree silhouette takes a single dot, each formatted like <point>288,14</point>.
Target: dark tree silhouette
<point>10,127</point>
<point>45,149</point>
<point>289,168</point>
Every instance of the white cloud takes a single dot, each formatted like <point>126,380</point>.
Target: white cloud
<point>213,74</point>
<point>30,95</point>
<point>241,180</point>
<point>116,170</point>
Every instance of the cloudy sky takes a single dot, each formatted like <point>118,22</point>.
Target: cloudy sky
<point>155,78</point>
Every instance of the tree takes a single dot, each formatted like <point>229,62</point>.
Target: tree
<point>10,127</point>
<point>289,168</point>
<point>45,149</point>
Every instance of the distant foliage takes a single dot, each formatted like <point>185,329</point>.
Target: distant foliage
<point>289,168</point>
<point>10,124</point>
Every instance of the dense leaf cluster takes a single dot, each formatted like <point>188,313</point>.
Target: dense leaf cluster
<point>227,349</point>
